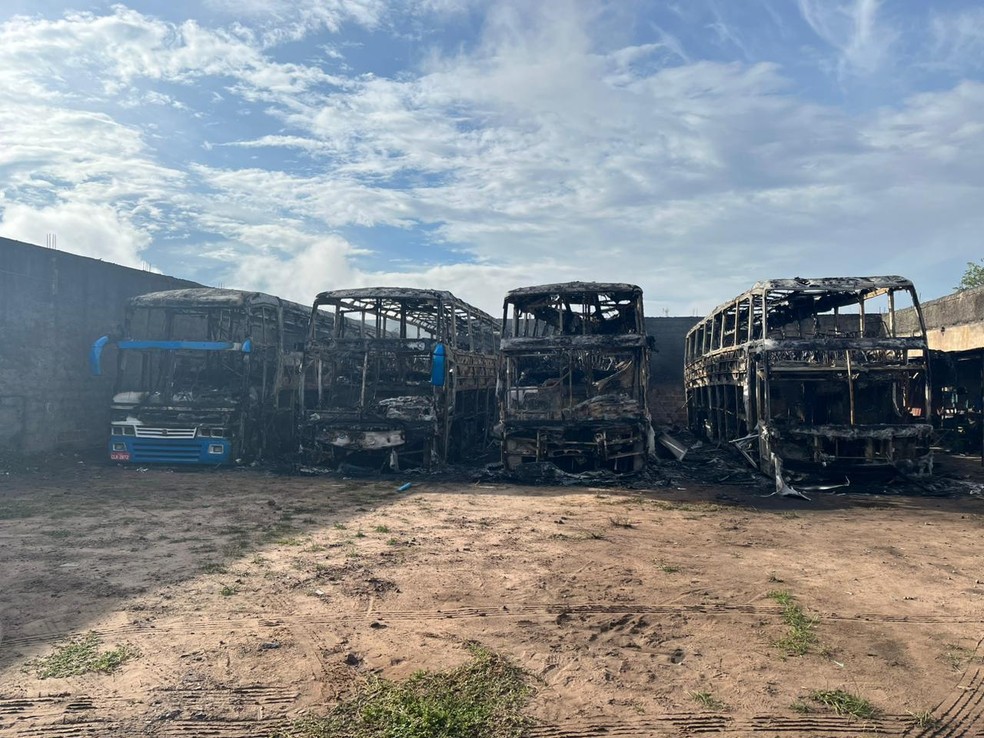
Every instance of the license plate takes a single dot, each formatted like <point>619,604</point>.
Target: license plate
<point>119,455</point>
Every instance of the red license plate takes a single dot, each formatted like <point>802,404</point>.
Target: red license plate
<point>119,455</point>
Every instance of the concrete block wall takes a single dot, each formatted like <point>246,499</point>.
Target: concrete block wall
<point>53,305</point>
<point>666,395</point>
<point>954,322</point>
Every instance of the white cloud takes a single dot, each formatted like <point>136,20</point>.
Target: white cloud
<point>295,268</point>
<point>290,20</point>
<point>81,228</point>
<point>957,40</point>
<point>544,157</point>
<point>853,29</point>
<point>543,151</point>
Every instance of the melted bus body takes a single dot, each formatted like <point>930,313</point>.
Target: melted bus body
<point>813,375</point>
<point>204,376</point>
<point>573,377</point>
<point>406,378</point>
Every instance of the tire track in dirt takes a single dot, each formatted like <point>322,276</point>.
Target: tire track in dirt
<point>804,726</point>
<point>164,729</point>
<point>498,610</point>
<point>962,714</point>
<point>74,715</point>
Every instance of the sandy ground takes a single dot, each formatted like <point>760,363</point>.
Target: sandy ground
<point>254,598</point>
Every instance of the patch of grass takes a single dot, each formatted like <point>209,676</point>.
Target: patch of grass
<point>228,591</point>
<point>801,635</point>
<point>801,707</point>
<point>484,698</point>
<point>667,569</point>
<point>844,703</point>
<point>393,542</point>
<point>82,656</point>
<point>956,656</point>
<point>213,567</point>
<point>707,700</point>
<point>925,719</point>
<point>382,529</point>
<point>360,534</point>
<point>620,522</point>
<point>339,526</point>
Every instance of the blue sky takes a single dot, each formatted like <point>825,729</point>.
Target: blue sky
<point>692,147</point>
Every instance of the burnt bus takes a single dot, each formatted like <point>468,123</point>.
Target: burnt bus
<point>405,379</point>
<point>814,375</point>
<point>573,377</point>
<point>204,376</point>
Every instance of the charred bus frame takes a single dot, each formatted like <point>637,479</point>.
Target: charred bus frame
<point>803,373</point>
<point>204,376</point>
<point>406,378</point>
<point>573,377</point>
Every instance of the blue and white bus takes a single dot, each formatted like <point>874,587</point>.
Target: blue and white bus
<point>204,376</point>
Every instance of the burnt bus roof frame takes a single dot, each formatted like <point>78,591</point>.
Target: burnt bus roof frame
<point>742,331</point>
<point>541,302</point>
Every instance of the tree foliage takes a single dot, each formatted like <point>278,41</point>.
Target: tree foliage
<point>973,277</point>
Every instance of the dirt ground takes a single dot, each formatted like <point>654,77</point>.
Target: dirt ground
<point>254,598</point>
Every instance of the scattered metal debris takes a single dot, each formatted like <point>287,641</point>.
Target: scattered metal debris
<point>674,446</point>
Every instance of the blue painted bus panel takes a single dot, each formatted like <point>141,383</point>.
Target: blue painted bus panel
<point>168,450</point>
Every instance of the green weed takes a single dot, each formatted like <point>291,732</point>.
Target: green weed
<point>484,698</point>
<point>925,719</point>
<point>844,703</point>
<point>82,656</point>
<point>707,700</point>
<point>801,635</point>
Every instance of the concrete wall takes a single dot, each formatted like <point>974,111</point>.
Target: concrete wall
<point>53,305</point>
<point>953,323</point>
<point>666,395</point>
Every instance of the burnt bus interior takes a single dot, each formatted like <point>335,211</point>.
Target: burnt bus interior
<point>573,377</point>
<point>814,373</point>
<point>407,378</point>
<point>958,390</point>
<point>243,389</point>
